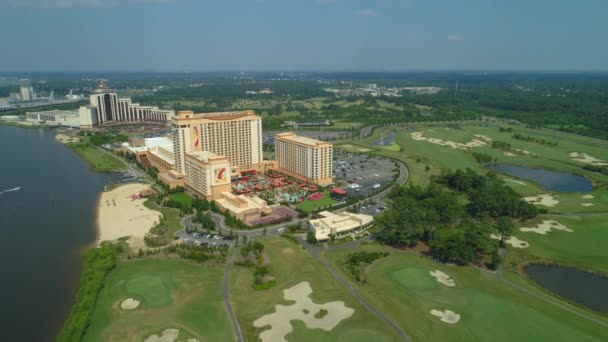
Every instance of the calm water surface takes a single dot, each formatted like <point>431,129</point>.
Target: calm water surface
<point>582,287</point>
<point>44,226</point>
<point>548,180</point>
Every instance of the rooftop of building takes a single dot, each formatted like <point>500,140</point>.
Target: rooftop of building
<point>205,156</point>
<point>337,223</point>
<point>149,143</point>
<point>188,114</point>
<point>290,136</point>
<point>239,203</point>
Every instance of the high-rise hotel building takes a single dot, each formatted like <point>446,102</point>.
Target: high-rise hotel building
<point>106,107</point>
<point>236,135</point>
<point>304,158</point>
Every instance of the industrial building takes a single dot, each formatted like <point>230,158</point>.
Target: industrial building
<point>236,135</point>
<point>303,158</point>
<point>339,225</point>
<point>207,174</point>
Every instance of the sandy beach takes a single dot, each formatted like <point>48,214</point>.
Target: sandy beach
<point>119,215</point>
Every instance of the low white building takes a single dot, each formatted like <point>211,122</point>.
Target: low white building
<point>66,118</point>
<point>339,225</point>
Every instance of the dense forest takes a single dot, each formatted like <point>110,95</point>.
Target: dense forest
<point>455,216</point>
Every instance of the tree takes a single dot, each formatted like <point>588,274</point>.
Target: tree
<point>505,227</point>
<point>310,237</point>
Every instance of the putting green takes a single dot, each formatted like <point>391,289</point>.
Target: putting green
<point>152,290</point>
<point>174,294</point>
<point>415,278</point>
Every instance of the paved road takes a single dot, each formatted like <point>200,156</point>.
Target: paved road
<point>226,289</point>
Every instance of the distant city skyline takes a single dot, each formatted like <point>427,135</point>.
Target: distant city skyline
<point>307,35</point>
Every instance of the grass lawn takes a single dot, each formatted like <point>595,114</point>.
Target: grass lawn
<point>391,147</point>
<point>290,265</point>
<point>585,247</point>
<point>172,294</point>
<point>97,159</point>
<point>308,205</point>
<point>400,286</point>
<point>181,197</point>
<point>171,214</point>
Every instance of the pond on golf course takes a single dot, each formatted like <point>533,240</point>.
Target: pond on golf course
<point>386,140</point>
<point>548,180</point>
<point>582,287</point>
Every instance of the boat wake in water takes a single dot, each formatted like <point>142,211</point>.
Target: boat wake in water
<point>10,190</point>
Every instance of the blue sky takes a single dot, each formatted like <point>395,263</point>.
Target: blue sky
<point>201,35</point>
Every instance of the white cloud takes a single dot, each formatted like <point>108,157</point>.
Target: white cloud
<point>456,38</point>
<point>77,3</point>
<point>367,13</point>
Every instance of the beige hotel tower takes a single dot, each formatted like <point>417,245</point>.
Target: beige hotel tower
<point>304,158</point>
<point>235,135</point>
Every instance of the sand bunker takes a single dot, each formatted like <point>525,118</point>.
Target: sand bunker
<point>443,278</point>
<point>169,335</point>
<point>304,310</point>
<point>521,151</point>
<point>120,215</point>
<point>587,196</point>
<point>446,316</point>
<point>545,227</point>
<point>513,241</point>
<point>129,304</point>
<point>587,204</point>
<point>363,149</point>
<point>546,199</point>
<point>509,154</point>
<point>587,159</point>
<point>481,140</point>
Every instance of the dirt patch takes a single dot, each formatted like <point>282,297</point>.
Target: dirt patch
<point>287,251</point>
<point>587,159</point>
<point>446,316</point>
<point>279,321</point>
<point>545,227</point>
<point>513,241</point>
<point>443,278</point>
<point>129,304</point>
<point>546,199</point>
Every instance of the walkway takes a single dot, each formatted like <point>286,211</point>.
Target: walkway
<point>226,290</point>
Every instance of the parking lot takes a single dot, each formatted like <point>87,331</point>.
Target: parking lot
<point>200,239</point>
<point>364,175</point>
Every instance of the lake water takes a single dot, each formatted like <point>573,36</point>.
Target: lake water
<point>44,227</point>
<point>582,287</point>
<point>548,180</point>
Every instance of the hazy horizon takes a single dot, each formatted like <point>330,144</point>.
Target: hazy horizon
<point>303,36</point>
